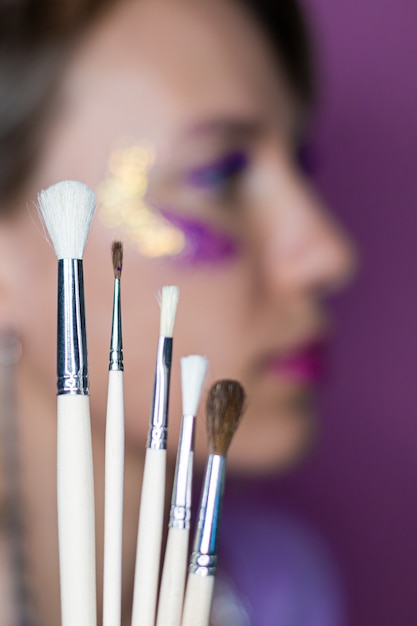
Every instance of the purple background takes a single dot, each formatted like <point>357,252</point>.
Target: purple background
<point>360,490</point>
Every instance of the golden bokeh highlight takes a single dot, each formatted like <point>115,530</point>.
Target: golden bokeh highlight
<point>121,198</point>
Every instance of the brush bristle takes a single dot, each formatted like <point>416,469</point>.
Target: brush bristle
<point>225,404</point>
<point>169,301</point>
<point>67,209</point>
<point>117,258</point>
<point>193,372</point>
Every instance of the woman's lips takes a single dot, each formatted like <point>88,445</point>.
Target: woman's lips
<point>305,365</point>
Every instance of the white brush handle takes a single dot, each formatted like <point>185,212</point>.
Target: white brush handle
<point>198,599</point>
<point>148,550</point>
<point>171,596</point>
<point>113,507</point>
<point>76,512</point>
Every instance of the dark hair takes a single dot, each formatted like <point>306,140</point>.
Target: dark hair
<point>285,27</point>
<point>35,36</point>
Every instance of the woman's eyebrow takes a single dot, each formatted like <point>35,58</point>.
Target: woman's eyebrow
<point>226,126</point>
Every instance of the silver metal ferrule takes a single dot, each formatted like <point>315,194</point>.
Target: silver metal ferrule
<point>116,346</point>
<point>204,556</point>
<point>157,437</point>
<point>180,513</point>
<point>72,366</point>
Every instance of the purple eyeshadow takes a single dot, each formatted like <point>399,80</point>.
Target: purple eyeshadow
<point>203,244</point>
<point>220,171</point>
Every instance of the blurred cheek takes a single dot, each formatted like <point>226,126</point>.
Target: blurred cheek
<point>159,229</point>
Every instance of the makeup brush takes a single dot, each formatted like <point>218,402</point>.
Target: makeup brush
<point>67,209</point>
<point>224,409</point>
<point>114,459</point>
<point>193,371</point>
<point>151,514</point>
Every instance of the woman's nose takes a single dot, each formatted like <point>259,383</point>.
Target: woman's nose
<point>302,247</point>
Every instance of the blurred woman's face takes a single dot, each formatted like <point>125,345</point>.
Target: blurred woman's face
<point>182,120</point>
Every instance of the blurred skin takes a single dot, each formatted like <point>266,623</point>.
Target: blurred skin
<point>196,81</point>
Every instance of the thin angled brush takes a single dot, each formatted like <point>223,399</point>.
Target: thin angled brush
<point>114,459</point>
<point>193,371</point>
<point>224,409</point>
<point>148,550</point>
<point>67,209</point>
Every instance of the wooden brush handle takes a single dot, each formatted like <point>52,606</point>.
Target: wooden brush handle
<point>198,599</point>
<point>76,512</point>
<point>148,551</point>
<point>171,596</point>
<point>113,508</point>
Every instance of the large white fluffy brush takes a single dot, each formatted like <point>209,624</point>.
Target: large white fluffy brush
<point>67,209</point>
<point>193,372</point>
<point>151,514</point>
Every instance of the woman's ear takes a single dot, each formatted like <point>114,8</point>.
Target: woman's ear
<point>9,274</point>
<point>23,257</point>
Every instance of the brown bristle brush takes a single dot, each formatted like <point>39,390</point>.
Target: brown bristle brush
<point>117,258</point>
<point>225,406</point>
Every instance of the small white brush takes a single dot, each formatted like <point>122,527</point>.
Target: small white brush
<point>193,371</point>
<point>114,459</point>
<point>225,404</point>
<point>148,551</point>
<point>67,209</point>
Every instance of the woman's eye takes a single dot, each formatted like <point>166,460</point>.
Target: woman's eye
<point>220,174</point>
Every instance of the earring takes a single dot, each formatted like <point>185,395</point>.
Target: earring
<point>10,349</point>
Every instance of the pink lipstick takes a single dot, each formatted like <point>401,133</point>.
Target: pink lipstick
<point>305,365</point>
